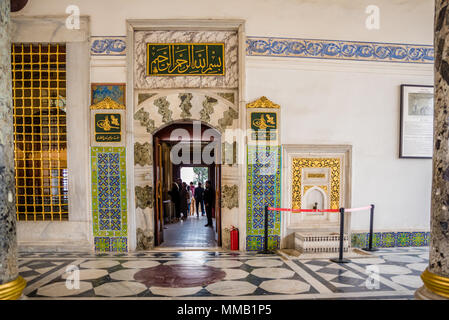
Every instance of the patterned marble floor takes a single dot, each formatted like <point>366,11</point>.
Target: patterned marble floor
<point>222,275</point>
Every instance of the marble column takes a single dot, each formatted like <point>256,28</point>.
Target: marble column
<point>436,276</point>
<point>11,285</point>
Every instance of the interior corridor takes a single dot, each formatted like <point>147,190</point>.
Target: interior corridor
<point>190,233</point>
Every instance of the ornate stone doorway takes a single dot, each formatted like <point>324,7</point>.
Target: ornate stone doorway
<point>184,144</point>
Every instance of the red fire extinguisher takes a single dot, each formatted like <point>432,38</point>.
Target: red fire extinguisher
<point>234,238</point>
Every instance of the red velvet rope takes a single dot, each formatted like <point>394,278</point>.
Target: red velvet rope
<point>303,210</point>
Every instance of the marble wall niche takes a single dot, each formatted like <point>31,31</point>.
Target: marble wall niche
<point>315,198</point>
<point>229,80</point>
<point>315,174</point>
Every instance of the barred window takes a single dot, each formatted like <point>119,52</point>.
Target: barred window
<point>40,133</point>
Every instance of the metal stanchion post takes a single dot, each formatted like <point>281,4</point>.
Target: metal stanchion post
<point>342,235</point>
<point>371,227</point>
<point>265,245</point>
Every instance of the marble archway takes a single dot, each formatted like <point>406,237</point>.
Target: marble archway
<point>156,110</point>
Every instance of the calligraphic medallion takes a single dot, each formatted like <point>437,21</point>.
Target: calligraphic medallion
<point>185,59</point>
<point>264,125</point>
<point>108,127</point>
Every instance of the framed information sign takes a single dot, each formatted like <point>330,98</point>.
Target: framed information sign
<point>416,134</point>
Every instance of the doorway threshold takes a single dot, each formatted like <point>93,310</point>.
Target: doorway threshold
<point>188,249</point>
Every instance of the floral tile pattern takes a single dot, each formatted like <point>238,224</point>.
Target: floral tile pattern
<point>263,189</point>
<point>109,205</point>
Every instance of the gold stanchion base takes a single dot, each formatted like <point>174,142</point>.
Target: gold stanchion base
<point>436,284</point>
<point>12,290</point>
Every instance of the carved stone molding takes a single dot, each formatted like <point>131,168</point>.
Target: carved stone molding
<point>185,105</point>
<point>144,239</point>
<point>228,117</point>
<point>144,197</point>
<point>208,108</point>
<point>142,154</point>
<point>230,196</point>
<point>144,118</point>
<point>164,109</point>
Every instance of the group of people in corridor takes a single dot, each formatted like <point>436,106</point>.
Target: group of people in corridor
<point>186,198</point>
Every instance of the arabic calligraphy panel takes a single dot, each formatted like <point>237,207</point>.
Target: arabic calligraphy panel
<point>172,59</point>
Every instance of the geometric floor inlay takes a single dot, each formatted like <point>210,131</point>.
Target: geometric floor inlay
<point>220,275</point>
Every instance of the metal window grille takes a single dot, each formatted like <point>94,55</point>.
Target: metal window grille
<point>40,133</point>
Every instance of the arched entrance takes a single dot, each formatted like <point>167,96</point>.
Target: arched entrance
<point>182,146</point>
<point>158,113</point>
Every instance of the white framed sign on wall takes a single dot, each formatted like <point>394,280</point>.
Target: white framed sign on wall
<point>416,136</point>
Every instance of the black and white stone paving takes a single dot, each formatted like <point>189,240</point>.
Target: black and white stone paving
<point>392,273</point>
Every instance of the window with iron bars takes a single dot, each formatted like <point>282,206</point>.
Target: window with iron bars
<point>40,132</point>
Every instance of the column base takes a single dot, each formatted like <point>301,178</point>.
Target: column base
<point>425,294</point>
<point>435,287</point>
<point>12,290</point>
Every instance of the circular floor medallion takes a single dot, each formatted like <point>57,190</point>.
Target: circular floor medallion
<point>179,276</point>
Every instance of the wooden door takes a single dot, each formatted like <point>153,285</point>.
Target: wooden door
<point>158,183</point>
<point>217,188</point>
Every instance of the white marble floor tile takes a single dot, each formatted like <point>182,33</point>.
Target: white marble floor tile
<point>25,268</point>
<point>340,285</point>
<point>94,264</point>
<point>234,274</point>
<point>407,280</point>
<point>175,292</point>
<point>264,263</point>
<point>231,288</point>
<point>120,289</point>
<point>59,289</point>
<point>141,264</point>
<point>125,274</point>
<point>224,263</point>
<point>314,267</point>
<point>87,274</point>
<point>392,269</point>
<point>418,266</point>
<point>368,261</point>
<point>272,273</point>
<point>285,286</point>
<point>402,258</point>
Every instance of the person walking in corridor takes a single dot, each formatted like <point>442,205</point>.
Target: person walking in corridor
<point>199,193</point>
<point>209,201</point>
